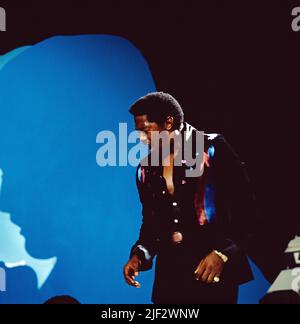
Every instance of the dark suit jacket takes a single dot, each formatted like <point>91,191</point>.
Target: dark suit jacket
<point>230,229</point>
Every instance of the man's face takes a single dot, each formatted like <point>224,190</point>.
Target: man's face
<point>145,127</point>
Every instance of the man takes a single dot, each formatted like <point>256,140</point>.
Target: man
<point>197,227</point>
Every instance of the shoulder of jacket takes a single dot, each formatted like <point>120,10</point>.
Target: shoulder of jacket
<point>210,137</point>
<point>214,137</point>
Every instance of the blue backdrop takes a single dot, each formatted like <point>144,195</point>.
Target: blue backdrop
<point>66,225</point>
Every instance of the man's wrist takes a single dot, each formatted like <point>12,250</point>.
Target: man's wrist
<point>221,255</point>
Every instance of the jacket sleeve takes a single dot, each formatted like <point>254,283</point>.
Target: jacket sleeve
<point>242,217</point>
<point>145,247</point>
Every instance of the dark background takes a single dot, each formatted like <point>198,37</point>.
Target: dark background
<point>234,67</point>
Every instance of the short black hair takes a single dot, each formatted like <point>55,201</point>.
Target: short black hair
<point>158,106</point>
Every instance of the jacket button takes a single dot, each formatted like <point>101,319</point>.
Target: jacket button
<point>176,221</point>
<point>175,204</point>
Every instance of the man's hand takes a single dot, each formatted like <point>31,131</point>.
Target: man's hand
<point>131,270</point>
<point>209,268</point>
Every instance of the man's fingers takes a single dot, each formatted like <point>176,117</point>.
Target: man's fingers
<point>211,277</point>
<point>205,275</point>
<point>197,270</point>
<point>137,284</point>
<point>132,282</point>
<point>127,271</point>
<point>200,271</point>
<point>129,281</point>
<point>128,274</point>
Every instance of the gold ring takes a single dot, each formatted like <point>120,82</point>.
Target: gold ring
<point>216,279</point>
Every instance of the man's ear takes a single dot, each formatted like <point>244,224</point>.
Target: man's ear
<point>169,123</point>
